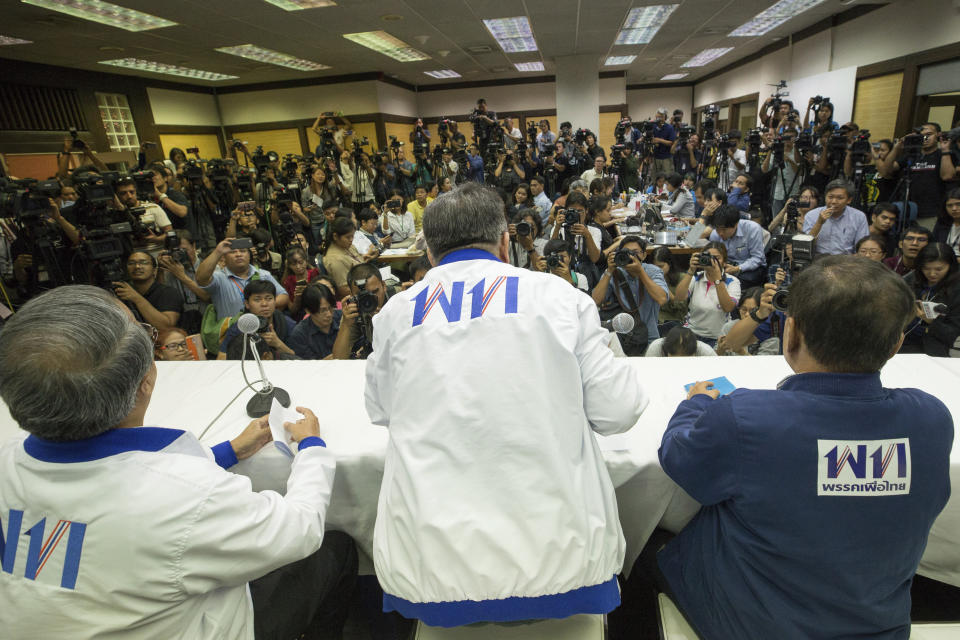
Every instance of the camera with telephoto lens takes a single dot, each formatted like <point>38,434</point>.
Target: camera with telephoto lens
<point>524,228</point>
<point>554,260</point>
<point>624,257</point>
<point>802,257</point>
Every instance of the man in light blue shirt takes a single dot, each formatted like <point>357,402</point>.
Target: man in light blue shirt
<point>226,285</point>
<point>474,165</point>
<point>837,226</point>
<point>540,198</point>
<point>744,242</point>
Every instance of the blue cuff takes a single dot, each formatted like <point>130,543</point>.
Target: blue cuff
<point>224,454</point>
<point>311,441</point>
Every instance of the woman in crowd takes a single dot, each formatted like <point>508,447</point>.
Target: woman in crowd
<point>679,198</point>
<point>870,247</point>
<point>172,345</point>
<point>314,336</point>
<point>935,279</point>
<point>951,235</point>
<point>710,292</point>
<point>674,311</point>
<point>297,272</point>
<point>824,118</point>
<point>600,215</point>
<point>176,160</point>
<point>395,221</point>
<point>445,184</point>
<point>342,255</point>
<point>338,189</point>
<point>312,200</point>
<point>808,198</point>
<point>525,249</point>
<point>521,200</point>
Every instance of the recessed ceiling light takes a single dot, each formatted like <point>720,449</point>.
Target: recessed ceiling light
<point>104,13</point>
<point>8,40</point>
<point>773,17</point>
<point>528,66</point>
<point>169,69</point>
<point>297,5</point>
<point>443,73</point>
<point>643,23</point>
<point>613,61</point>
<point>706,56</point>
<point>674,76</point>
<point>512,34</point>
<point>383,42</point>
<point>253,52</point>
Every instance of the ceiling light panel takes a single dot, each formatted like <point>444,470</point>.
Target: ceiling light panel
<point>528,66</point>
<point>642,23</point>
<point>8,40</point>
<point>253,52</point>
<point>512,34</point>
<point>706,56</point>
<point>613,61</point>
<point>674,76</point>
<point>774,17</point>
<point>383,42</point>
<point>168,69</point>
<point>297,5</point>
<point>443,73</point>
<point>104,13</point>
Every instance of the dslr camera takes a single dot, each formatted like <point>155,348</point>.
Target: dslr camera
<point>554,260</point>
<point>624,257</point>
<point>705,260</point>
<point>366,301</point>
<point>524,228</point>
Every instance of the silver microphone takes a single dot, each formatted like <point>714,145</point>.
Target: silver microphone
<point>620,323</point>
<point>259,404</point>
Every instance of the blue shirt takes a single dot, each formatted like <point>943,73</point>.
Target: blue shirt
<point>543,204</point>
<point>745,247</point>
<point>666,132</point>
<point>739,200</point>
<point>817,501</point>
<point>649,310</point>
<point>226,289</point>
<point>475,168</point>
<point>837,235</point>
<point>309,342</point>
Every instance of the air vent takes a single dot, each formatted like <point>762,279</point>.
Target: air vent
<point>480,49</point>
<point>28,108</point>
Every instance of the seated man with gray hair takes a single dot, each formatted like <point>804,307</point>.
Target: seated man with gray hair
<point>109,529</point>
<point>496,504</point>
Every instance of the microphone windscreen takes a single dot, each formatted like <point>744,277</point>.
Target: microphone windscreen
<point>623,323</point>
<point>248,323</point>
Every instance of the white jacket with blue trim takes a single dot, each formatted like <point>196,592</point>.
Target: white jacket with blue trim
<point>495,502</point>
<point>137,533</point>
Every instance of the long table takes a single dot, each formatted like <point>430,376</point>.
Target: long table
<point>189,395</point>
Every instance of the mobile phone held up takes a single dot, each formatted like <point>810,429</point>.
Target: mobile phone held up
<point>241,243</point>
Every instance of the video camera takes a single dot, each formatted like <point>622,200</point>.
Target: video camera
<point>778,94</point>
<point>144,182</point>
<point>913,145</point>
<point>620,131</point>
<point>818,102</point>
<point>860,148</point>
<point>580,137</point>
<point>710,123</point>
<point>27,198</point>
<point>193,172</point>
<point>395,144</point>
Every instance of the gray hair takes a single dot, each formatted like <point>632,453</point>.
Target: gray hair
<point>579,184</point>
<point>71,361</point>
<point>840,183</point>
<point>469,215</point>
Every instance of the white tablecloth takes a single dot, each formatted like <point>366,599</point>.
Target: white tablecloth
<point>189,396</point>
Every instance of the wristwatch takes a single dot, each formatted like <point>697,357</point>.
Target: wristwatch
<point>717,282</point>
<point>756,317</point>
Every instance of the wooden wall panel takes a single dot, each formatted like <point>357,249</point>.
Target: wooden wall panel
<point>361,129</point>
<point>876,103</point>
<point>283,141</point>
<point>208,143</point>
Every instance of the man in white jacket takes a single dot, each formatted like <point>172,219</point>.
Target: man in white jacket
<point>113,530</point>
<point>495,503</point>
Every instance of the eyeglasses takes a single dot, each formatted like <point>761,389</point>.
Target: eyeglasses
<point>150,329</point>
<point>175,346</point>
<point>914,239</point>
<point>139,263</point>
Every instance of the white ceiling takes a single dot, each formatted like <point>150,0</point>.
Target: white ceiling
<point>561,28</point>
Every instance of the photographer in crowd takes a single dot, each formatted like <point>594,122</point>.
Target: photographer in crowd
<point>710,291</point>
<point>226,284</point>
<point>935,281</point>
<point>151,302</point>
<point>638,289</point>
<point>558,260</point>
<point>331,136</point>
<point>163,540</point>
<point>743,240</point>
<point>154,219</point>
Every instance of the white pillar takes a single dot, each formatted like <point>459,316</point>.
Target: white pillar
<point>578,91</point>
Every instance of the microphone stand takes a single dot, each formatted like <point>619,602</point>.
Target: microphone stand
<point>259,405</point>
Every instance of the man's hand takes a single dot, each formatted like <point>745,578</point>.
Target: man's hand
<point>271,338</point>
<point>350,313</point>
<point>526,242</point>
<point>54,209</point>
<point>541,264</point>
<point>635,268</point>
<point>386,241</point>
<point>512,230</point>
<point>579,230</point>
<point>732,268</point>
<point>223,248</point>
<point>766,300</point>
<point>780,276</point>
<point>826,214</point>
<point>703,389</point>
<point>171,266</point>
<point>252,439</point>
<point>944,145</point>
<point>306,427</point>
<point>125,292</point>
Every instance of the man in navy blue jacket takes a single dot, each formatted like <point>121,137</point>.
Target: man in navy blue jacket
<point>817,496</point>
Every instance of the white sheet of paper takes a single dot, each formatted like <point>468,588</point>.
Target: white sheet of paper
<point>281,437</point>
<point>394,252</point>
<point>385,273</point>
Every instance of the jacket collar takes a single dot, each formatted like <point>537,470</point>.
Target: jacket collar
<point>834,384</point>
<point>106,444</point>
<point>461,255</point>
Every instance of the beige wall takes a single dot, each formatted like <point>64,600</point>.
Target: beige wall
<point>298,103</point>
<point>643,103</point>
<point>183,107</point>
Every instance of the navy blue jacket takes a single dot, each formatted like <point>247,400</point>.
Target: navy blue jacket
<point>817,501</point>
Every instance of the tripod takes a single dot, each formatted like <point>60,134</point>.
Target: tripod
<point>905,179</point>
